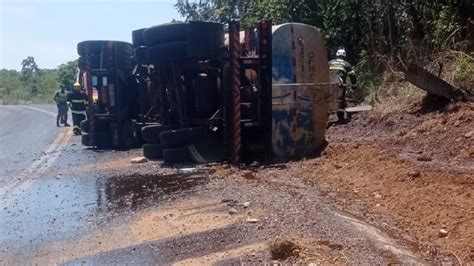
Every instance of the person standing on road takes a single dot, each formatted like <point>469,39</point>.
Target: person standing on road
<point>344,69</point>
<point>77,100</point>
<point>60,98</point>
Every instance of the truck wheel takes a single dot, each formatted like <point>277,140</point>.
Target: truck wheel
<point>82,63</point>
<point>95,47</point>
<point>85,125</point>
<point>86,140</point>
<point>176,155</point>
<point>102,141</point>
<point>181,137</point>
<point>137,38</point>
<point>151,133</point>
<point>140,55</point>
<point>169,32</point>
<point>167,52</point>
<point>94,61</point>
<point>153,151</point>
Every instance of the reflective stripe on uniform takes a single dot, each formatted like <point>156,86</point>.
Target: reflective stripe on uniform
<point>337,68</point>
<point>76,127</point>
<point>352,72</point>
<point>78,101</point>
<point>78,112</point>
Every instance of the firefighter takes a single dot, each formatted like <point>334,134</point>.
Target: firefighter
<point>77,102</point>
<point>342,68</point>
<point>60,98</point>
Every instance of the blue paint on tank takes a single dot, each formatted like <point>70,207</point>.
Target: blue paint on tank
<point>282,59</point>
<point>282,67</point>
<point>283,119</point>
<point>305,118</point>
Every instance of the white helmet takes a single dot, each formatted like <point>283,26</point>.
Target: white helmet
<point>341,52</point>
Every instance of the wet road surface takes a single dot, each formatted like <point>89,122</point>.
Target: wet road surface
<point>25,134</point>
<point>94,207</point>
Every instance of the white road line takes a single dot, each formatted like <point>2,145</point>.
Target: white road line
<point>39,110</point>
<point>38,167</point>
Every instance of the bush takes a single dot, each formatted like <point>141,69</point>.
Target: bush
<point>464,73</point>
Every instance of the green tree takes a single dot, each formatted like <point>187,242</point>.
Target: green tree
<point>48,85</point>
<point>67,74</point>
<point>214,10</point>
<point>30,75</point>
<point>11,85</point>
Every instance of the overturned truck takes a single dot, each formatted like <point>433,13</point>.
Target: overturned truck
<point>252,94</point>
<point>113,105</point>
<point>255,94</point>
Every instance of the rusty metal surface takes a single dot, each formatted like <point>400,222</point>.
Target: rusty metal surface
<point>430,83</point>
<point>300,90</point>
<point>234,30</point>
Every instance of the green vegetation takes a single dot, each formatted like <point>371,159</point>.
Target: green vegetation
<point>33,84</point>
<point>381,37</point>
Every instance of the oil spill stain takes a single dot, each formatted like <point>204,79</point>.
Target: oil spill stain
<point>133,192</point>
<point>57,209</point>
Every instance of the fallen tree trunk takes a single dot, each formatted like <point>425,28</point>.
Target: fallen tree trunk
<point>431,83</point>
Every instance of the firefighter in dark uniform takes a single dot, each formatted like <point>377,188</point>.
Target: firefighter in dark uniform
<point>342,68</point>
<point>77,100</point>
<point>60,97</point>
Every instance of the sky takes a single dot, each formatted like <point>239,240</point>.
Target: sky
<point>49,30</point>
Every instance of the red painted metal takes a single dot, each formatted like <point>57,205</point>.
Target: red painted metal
<point>234,44</point>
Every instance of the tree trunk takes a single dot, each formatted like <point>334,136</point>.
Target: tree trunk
<point>391,28</point>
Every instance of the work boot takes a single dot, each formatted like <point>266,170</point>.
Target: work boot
<point>66,124</point>
<point>76,131</point>
<point>341,117</point>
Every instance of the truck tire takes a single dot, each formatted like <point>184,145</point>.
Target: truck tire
<point>181,137</point>
<point>85,125</point>
<point>169,32</point>
<point>161,53</point>
<point>153,151</point>
<point>102,141</point>
<point>89,62</point>
<point>82,63</point>
<point>151,133</point>
<point>176,155</point>
<point>86,140</point>
<point>137,38</point>
<point>140,55</point>
<point>95,47</point>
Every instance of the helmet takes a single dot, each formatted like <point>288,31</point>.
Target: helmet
<point>77,85</point>
<point>341,52</point>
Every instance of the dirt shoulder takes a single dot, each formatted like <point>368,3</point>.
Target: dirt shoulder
<point>411,173</point>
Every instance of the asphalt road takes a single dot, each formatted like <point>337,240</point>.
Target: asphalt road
<point>25,134</point>
<point>50,189</point>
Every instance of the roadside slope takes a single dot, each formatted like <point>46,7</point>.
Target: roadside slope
<point>412,169</point>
